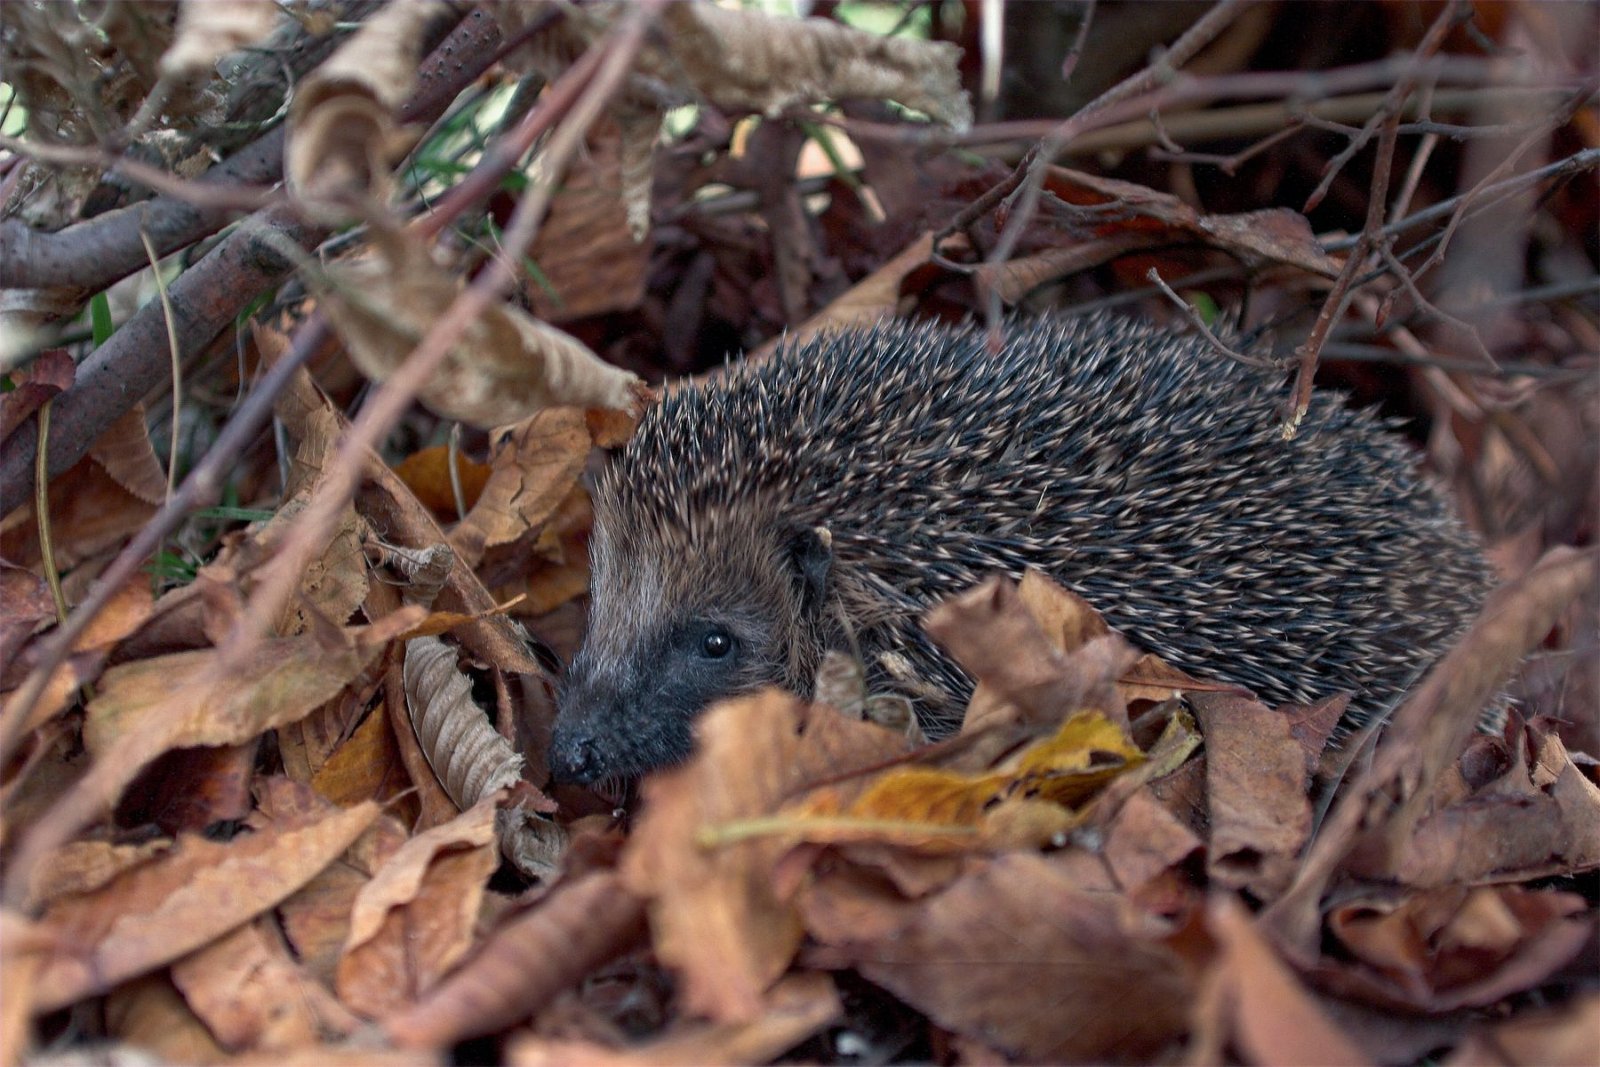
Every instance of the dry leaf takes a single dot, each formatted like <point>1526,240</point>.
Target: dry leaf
<point>797,1007</point>
<point>590,249</point>
<point>1448,949</point>
<point>1256,790</point>
<point>365,766</point>
<point>1276,235</point>
<point>52,373</point>
<point>1505,832</point>
<point>1564,1037</point>
<point>1145,841</point>
<point>871,300</point>
<point>413,921</point>
<point>1015,640</point>
<point>159,911</point>
<point>98,503</point>
<point>715,916</point>
<point>148,707</point>
<point>750,61</point>
<point>342,135</point>
<point>126,611</point>
<point>427,474</point>
<point>208,31</point>
<point>316,919</point>
<point>506,367</point>
<point>1271,1017</point>
<point>151,1016</point>
<point>535,465</point>
<point>471,759</point>
<point>1018,804</point>
<point>530,959</point>
<point>253,996</point>
<point>1014,954</point>
<point>80,867</point>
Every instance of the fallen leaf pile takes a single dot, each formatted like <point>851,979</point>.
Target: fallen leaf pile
<point>283,798</point>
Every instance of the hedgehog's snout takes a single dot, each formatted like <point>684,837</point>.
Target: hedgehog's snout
<point>590,707</point>
<point>575,754</point>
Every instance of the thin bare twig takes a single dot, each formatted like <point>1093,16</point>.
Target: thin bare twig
<point>1199,324</point>
<point>1205,30</point>
<point>1537,136</point>
<point>1371,238</point>
<point>233,196</point>
<point>1069,62</point>
<point>1577,163</point>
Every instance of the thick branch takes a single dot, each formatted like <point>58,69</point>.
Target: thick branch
<point>88,256</point>
<point>205,300</point>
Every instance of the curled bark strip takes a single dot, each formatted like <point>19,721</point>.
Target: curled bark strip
<point>470,759</point>
<point>537,955</point>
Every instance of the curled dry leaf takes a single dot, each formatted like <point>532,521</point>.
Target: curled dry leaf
<point>507,366</point>
<point>414,920</point>
<point>342,135</point>
<point>532,957</point>
<point>208,31</point>
<point>1453,948</point>
<point>1039,653</point>
<point>470,759</point>
<point>535,464</point>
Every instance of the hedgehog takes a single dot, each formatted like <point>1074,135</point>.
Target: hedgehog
<point>826,497</point>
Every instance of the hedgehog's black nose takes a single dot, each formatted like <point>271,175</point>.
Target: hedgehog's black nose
<point>574,756</point>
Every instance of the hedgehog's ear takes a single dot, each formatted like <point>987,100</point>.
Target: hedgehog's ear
<point>811,553</point>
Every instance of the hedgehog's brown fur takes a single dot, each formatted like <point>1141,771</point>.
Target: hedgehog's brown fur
<point>1131,464</point>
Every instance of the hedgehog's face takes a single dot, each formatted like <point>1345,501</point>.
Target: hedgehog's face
<point>672,632</point>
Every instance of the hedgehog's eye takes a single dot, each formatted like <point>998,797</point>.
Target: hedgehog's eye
<point>716,644</point>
